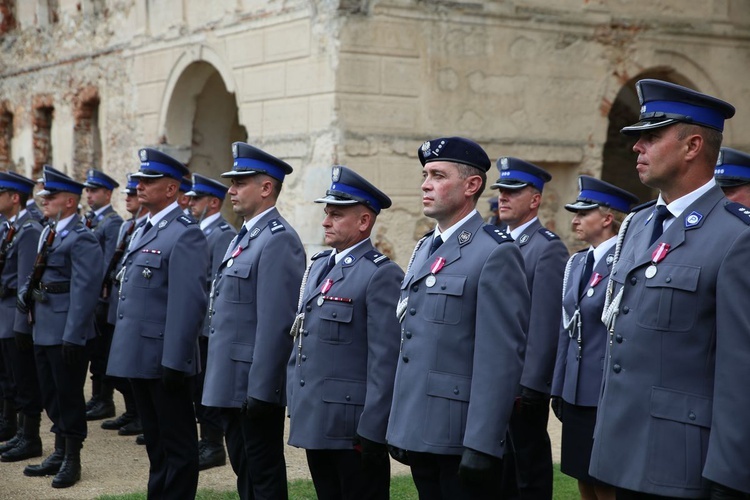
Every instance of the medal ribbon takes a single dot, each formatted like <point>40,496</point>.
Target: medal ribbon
<point>595,279</point>
<point>327,284</point>
<point>437,265</point>
<point>660,253</point>
<point>236,252</point>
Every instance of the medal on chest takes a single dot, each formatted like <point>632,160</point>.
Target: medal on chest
<point>434,269</point>
<point>596,278</point>
<point>656,257</point>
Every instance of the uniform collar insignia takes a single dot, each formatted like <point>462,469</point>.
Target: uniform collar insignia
<point>523,239</point>
<point>464,237</point>
<point>693,219</point>
<point>163,223</point>
<point>255,232</point>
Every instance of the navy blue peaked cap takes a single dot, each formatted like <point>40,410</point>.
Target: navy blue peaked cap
<point>517,174</point>
<point>11,181</point>
<point>595,193</point>
<point>732,168</point>
<point>249,160</point>
<point>350,188</point>
<point>664,103</point>
<point>454,149</point>
<point>186,185</point>
<point>98,179</point>
<point>205,186</point>
<point>56,181</point>
<point>131,186</point>
<point>155,164</point>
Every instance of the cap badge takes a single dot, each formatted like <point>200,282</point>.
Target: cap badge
<point>464,237</point>
<point>640,95</point>
<point>143,154</point>
<point>720,159</point>
<point>693,219</point>
<point>163,223</point>
<point>426,149</point>
<point>504,163</point>
<point>234,151</point>
<point>336,174</point>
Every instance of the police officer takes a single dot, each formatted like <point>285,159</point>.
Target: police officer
<point>346,346</point>
<point>528,470</point>
<point>18,237</point>
<point>464,310</point>
<point>162,301</point>
<point>63,311</point>
<point>183,200</point>
<point>105,223</point>
<point>672,419</point>
<point>254,300</point>
<point>206,198</point>
<point>732,174</point>
<point>599,211</point>
<point>128,423</point>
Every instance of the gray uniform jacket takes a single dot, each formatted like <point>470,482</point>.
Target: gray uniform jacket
<point>578,370</point>
<point>114,294</point>
<point>462,344</point>
<point>162,301</point>
<point>219,234</point>
<point>19,260</point>
<point>255,298</point>
<point>544,256</point>
<point>674,405</point>
<point>106,227</point>
<point>75,258</point>
<point>344,362</point>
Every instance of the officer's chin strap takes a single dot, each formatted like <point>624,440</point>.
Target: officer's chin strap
<point>404,302</point>
<point>612,306</point>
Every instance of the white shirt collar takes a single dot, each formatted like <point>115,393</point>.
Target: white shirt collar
<point>207,221</point>
<point>18,216</point>
<point>154,219</point>
<point>602,249</point>
<point>340,255</point>
<point>249,224</point>
<point>98,212</point>
<point>520,229</point>
<point>680,204</point>
<point>448,232</point>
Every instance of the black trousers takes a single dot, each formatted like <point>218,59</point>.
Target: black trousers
<point>168,422</point>
<point>622,494</point>
<point>256,451</point>
<point>21,368</point>
<point>338,475</point>
<point>527,468</point>
<point>61,386</point>
<point>99,345</point>
<point>207,415</point>
<point>436,478</point>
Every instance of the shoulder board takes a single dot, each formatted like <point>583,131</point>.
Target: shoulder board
<point>740,211</point>
<point>81,229</point>
<point>186,221</point>
<point>548,234</point>
<point>322,253</point>
<point>376,257</point>
<point>275,226</point>
<point>497,234</point>
<point>644,205</point>
<point>27,225</point>
<point>224,227</point>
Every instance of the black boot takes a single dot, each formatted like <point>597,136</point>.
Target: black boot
<point>51,464</point>
<point>96,386</point>
<point>134,428</point>
<point>105,406</point>
<point>14,440</point>
<point>121,421</point>
<point>29,446</point>
<point>70,471</point>
<point>9,425</point>
<point>211,448</point>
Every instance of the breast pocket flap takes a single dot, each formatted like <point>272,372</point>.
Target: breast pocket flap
<point>677,277</point>
<point>448,285</point>
<point>241,352</point>
<point>348,392</point>
<point>147,260</point>
<point>238,271</point>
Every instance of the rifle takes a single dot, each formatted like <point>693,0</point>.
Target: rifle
<point>40,264</point>
<point>11,232</point>
<point>109,276</point>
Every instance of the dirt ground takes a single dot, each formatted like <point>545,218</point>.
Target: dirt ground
<point>114,464</point>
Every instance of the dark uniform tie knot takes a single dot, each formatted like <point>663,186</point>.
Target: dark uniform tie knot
<point>662,214</point>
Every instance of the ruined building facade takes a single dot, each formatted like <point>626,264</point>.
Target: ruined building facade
<point>85,83</point>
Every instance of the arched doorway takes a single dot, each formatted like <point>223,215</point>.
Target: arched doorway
<point>202,122</point>
<point>618,157</point>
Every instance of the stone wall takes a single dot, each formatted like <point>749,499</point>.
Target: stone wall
<point>355,82</point>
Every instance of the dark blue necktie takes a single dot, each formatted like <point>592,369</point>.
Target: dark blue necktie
<point>587,271</point>
<point>240,235</point>
<point>329,265</point>
<point>662,214</point>
<point>436,242</point>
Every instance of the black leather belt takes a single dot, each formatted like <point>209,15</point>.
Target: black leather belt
<point>58,287</point>
<point>7,292</point>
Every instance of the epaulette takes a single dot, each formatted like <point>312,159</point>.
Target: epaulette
<point>548,234</point>
<point>27,225</point>
<point>82,229</point>
<point>275,226</point>
<point>644,205</point>
<point>740,211</point>
<point>497,234</point>
<point>186,221</point>
<point>322,253</point>
<point>376,257</point>
<point>224,227</point>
